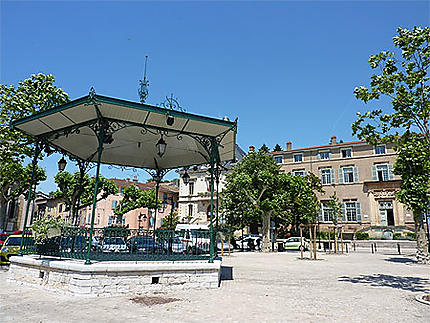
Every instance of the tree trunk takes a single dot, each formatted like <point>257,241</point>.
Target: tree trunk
<point>422,240</point>
<point>266,232</point>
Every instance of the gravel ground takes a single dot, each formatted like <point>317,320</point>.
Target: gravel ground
<point>358,287</point>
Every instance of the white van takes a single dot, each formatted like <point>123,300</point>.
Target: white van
<point>195,237</point>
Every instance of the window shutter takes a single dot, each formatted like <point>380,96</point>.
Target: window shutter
<point>332,176</point>
<point>374,175</point>
<point>319,156</point>
<point>320,215</point>
<point>343,212</point>
<point>329,155</point>
<point>390,172</point>
<point>358,210</point>
<point>355,174</point>
<point>340,173</point>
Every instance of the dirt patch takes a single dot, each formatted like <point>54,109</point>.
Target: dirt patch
<point>153,300</point>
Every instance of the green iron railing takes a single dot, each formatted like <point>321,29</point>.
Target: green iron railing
<point>123,244</point>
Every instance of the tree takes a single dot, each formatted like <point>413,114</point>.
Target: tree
<point>277,148</point>
<point>335,208</point>
<point>170,221</point>
<point>404,81</point>
<point>256,190</point>
<point>14,181</point>
<point>413,164</point>
<point>298,202</point>
<point>77,195</point>
<point>135,198</point>
<point>32,95</point>
<point>264,148</point>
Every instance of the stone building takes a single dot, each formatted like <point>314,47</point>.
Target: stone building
<point>195,198</point>
<point>362,177</point>
<point>139,218</point>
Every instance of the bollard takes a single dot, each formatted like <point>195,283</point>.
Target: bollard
<point>398,248</point>
<point>346,245</point>
<point>375,248</point>
<point>372,247</point>
<point>354,246</point>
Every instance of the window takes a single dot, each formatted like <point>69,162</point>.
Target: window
<point>382,173</point>
<point>327,176</point>
<point>346,153</point>
<point>380,150</point>
<point>325,213</point>
<point>324,155</point>
<point>278,159</point>
<point>110,220</point>
<point>121,190</point>
<point>114,204</point>
<point>348,175</point>
<point>298,158</point>
<point>352,211</point>
<point>191,188</point>
<point>300,172</point>
<point>60,208</point>
<point>190,210</point>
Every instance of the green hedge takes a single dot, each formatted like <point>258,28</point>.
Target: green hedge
<point>362,236</point>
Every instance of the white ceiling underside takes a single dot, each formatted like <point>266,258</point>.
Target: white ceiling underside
<point>131,146</point>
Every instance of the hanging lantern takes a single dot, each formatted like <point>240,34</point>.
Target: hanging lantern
<point>62,164</point>
<point>161,147</point>
<point>186,178</point>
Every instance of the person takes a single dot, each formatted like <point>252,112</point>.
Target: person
<point>251,245</point>
<point>258,244</point>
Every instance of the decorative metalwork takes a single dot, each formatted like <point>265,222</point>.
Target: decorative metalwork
<point>172,103</point>
<point>122,244</point>
<point>143,85</point>
<point>92,98</point>
<point>123,168</point>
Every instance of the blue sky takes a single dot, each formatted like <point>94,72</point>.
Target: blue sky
<point>286,69</point>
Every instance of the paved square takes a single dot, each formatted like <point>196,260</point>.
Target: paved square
<point>359,287</point>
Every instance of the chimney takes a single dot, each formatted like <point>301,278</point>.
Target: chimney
<point>251,149</point>
<point>289,145</point>
<point>333,140</point>
<point>135,178</point>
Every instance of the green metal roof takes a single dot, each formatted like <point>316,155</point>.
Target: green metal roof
<point>139,127</point>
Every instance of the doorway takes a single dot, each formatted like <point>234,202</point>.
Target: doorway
<point>386,213</point>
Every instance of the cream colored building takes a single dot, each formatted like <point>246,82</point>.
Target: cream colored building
<point>195,198</point>
<point>362,176</point>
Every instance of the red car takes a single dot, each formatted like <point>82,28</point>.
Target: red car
<point>3,237</point>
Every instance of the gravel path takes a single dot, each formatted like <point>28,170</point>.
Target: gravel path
<point>359,287</point>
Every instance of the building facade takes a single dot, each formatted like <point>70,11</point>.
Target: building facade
<point>195,197</point>
<point>363,179</point>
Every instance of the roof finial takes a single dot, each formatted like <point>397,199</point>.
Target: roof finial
<point>143,85</point>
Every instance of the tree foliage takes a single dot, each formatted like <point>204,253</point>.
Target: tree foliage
<point>256,190</point>
<point>404,80</point>
<point>335,208</point>
<point>32,95</point>
<point>76,196</point>
<point>135,198</point>
<point>277,148</point>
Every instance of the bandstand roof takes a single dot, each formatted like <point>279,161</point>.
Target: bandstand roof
<point>135,128</point>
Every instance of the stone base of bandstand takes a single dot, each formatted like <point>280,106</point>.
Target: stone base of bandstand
<point>113,278</point>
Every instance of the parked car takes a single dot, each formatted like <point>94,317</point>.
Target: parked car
<point>174,245</point>
<point>250,242</point>
<point>73,244</point>
<point>195,237</point>
<point>114,244</point>
<point>225,245</point>
<point>144,244</point>
<point>11,247</point>
<point>293,243</point>
<point>3,237</point>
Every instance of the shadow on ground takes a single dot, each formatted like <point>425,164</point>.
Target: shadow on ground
<point>226,273</point>
<point>402,260</point>
<point>413,284</point>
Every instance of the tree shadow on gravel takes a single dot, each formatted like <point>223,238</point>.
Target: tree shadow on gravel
<point>413,284</point>
<point>402,260</point>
